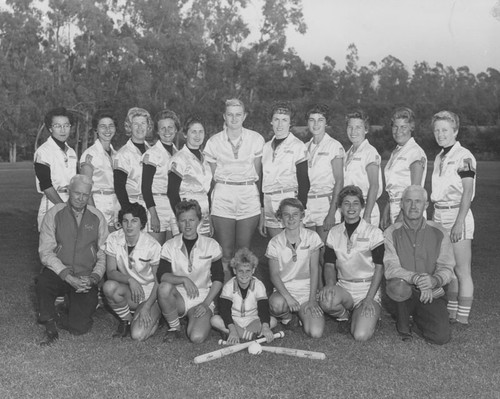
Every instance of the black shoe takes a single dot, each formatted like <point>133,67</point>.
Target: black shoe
<point>123,329</point>
<point>52,337</point>
<point>173,335</point>
<point>405,334</point>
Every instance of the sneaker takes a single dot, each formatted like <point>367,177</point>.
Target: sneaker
<point>123,329</point>
<point>51,334</point>
<point>344,316</point>
<point>173,335</point>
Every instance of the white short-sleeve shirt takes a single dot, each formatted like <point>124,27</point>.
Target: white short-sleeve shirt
<point>397,171</point>
<point>355,166</point>
<point>447,188</point>
<point>244,307</point>
<point>320,170</point>
<point>139,263</point>
<point>196,175</point>
<point>279,165</point>
<point>197,265</point>
<point>128,160</point>
<point>235,162</point>
<point>102,166</point>
<point>354,254</point>
<point>294,267</point>
<point>62,164</point>
<point>160,158</point>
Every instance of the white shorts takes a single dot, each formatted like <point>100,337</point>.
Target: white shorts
<point>190,303</point>
<point>108,205</point>
<point>299,290</point>
<point>148,289</point>
<point>235,201</point>
<point>358,291</point>
<point>271,205</point>
<point>317,209</point>
<point>447,218</point>
<point>202,198</point>
<point>244,322</point>
<point>165,214</point>
<point>46,204</point>
<point>375,216</point>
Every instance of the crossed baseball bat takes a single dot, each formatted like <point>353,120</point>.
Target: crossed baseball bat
<point>239,347</point>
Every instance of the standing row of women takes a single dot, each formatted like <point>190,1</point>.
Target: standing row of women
<point>245,179</point>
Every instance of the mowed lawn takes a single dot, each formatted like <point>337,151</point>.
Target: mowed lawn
<point>96,366</point>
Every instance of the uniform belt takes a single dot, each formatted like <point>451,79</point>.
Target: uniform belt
<point>395,200</point>
<point>160,194</point>
<point>446,206</point>
<point>236,183</point>
<point>103,192</point>
<point>319,195</point>
<point>358,280</point>
<point>62,190</point>
<point>288,190</point>
<point>138,196</point>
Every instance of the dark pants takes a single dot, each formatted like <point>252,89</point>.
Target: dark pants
<point>81,307</point>
<point>430,318</point>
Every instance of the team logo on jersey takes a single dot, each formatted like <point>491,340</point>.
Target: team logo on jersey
<point>88,159</point>
<point>467,166</point>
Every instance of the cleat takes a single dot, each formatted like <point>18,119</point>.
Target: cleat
<point>123,329</point>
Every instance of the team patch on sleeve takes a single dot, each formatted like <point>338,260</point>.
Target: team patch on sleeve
<point>467,166</point>
<point>88,159</point>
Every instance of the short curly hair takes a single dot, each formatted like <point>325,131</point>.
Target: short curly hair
<point>283,107</point>
<point>132,113</point>
<point>321,109</point>
<point>101,114</point>
<point>353,191</point>
<point>167,114</point>
<point>59,111</point>
<point>187,205</point>
<point>446,116</point>
<point>244,256</point>
<point>293,202</point>
<point>137,211</point>
<point>358,114</point>
<point>406,114</point>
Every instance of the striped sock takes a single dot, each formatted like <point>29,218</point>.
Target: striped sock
<point>248,335</point>
<point>464,305</point>
<point>172,320</point>
<point>452,305</point>
<point>123,312</point>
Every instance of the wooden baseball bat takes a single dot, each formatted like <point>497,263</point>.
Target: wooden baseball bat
<point>230,349</point>
<point>294,352</point>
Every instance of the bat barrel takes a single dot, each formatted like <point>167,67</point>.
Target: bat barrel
<point>294,352</point>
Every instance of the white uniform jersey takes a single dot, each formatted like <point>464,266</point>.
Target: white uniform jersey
<point>196,175</point>
<point>244,307</point>
<point>354,254</point>
<point>235,161</point>
<point>102,166</point>
<point>320,160</point>
<point>197,265</point>
<point>397,171</point>
<point>355,166</point>
<point>62,164</point>
<point>128,160</point>
<point>160,158</point>
<point>294,263</point>
<point>447,188</point>
<point>279,165</point>
<point>139,263</point>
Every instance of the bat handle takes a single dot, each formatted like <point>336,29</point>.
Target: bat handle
<point>279,334</point>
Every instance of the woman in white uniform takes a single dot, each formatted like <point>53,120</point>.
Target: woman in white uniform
<point>155,170</point>
<point>326,172</point>
<point>284,169</point>
<point>407,165</point>
<point>55,161</point>
<point>235,156</point>
<point>127,165</point>
<point>453,189</point>
<point>362,165</point>
<point>97,163</point>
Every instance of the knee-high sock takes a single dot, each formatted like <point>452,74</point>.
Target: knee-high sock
<point>464,306</point>
<point>123,312</point>
<point>452,305</point>
<point>172,320</point>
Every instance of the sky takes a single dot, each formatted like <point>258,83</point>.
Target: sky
<point>453,32</point>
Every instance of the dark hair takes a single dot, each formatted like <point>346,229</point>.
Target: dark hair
<point>59,111</point>
<point>167,114</point>
<point>353,191</point>
<point>321,109</point>
<point>191,120</point>
<point>358,114</point>
<point>101,114</point>
<point>283,107</point>
<point>137,211</point>
<point>293,202</point>
<point>406,114</point>
<point>187,205</point>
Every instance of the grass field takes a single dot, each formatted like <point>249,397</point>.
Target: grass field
<point>95,366</point>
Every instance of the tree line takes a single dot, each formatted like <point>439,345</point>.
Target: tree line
<point>191,55</point>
